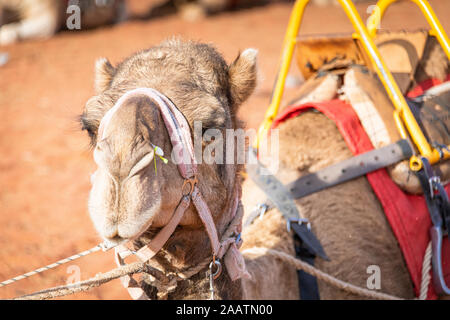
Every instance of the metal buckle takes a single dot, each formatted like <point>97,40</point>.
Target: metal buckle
<point>192,181</point>
<point>440,148</point>
<point>262,208</point>
<point>299,221</point>
<point>434,181</point>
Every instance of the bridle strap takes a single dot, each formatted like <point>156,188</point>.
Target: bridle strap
<point>207,219</point>
<point>132,286</point>
<point>150,250</point>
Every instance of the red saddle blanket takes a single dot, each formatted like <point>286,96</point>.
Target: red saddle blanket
<point>407,214</point>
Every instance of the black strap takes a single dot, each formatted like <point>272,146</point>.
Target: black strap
<point>309,240</point>
<point>439,208</point>
<point>437,203</point>
<point>307,284</point>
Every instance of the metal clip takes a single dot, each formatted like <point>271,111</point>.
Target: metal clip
<point>434,181</point>
<point>299,221</point>
<point>213,275</point>
<point>192,182</point>
<point>440,148</point>
<point>262,208</point>
<point>438,274</point>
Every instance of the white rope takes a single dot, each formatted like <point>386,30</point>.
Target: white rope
<point>102,246</point>
<point>426,273</point>
<point>301,265</point>
<point>255,251</point>
<point>86,285</point>
<point>298,264</point>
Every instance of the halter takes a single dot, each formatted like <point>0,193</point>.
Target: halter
<point>183,155</point>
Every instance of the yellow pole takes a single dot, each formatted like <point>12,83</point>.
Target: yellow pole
<point>390,85</point>
<point>404,112</point>
<point>285,62</point>
<point>433,21</point>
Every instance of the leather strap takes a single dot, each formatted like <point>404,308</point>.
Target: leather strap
<point>272,187</point>
<point>351,168</point>
<point>133,287</point>
<point>340,172</point>
<point>150,250</point>
<point>283,200</point>
<point>207,219</point>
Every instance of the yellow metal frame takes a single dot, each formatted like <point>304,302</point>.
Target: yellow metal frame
<point>436,27</point>
<point>402,114</point>
<point>437,31</point>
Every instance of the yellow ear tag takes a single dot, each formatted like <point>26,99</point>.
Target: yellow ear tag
<point>160,153</point>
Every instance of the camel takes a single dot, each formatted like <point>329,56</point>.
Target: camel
<point>347,219</point>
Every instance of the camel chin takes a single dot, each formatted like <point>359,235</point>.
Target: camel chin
<point>135,214</point>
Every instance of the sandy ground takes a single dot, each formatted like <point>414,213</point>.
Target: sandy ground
<point>45,163</point>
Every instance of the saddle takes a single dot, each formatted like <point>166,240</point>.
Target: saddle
<point>365,93</point>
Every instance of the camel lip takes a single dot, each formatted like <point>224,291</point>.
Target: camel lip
<point>115,241</point>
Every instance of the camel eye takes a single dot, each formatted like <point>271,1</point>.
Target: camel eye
<point>139,141</point>
<point>90,133</point>
<point>140,138</point>
<point>91,130</point>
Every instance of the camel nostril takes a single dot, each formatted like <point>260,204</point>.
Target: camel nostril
<point>142,163</point>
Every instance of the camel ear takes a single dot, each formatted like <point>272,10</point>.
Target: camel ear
<point>242,76</point>
<point>104,72</point>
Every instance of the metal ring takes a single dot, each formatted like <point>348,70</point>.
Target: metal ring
<point>192,181</point>
<point>218,271</point>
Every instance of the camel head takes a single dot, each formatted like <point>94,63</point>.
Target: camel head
<point>133,189</point>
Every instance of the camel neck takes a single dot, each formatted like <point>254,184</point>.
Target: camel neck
<point>196,287</point>
<point>184,250</point>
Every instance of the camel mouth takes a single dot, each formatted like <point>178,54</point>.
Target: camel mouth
<point>116,240</point>
<point>118,234</point>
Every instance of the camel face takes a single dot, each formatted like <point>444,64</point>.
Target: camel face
<point>131,189</point>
